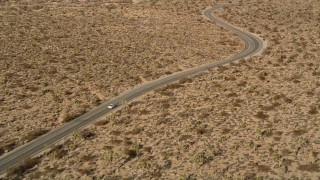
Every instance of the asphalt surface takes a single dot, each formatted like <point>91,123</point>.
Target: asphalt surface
<point>253,46</point>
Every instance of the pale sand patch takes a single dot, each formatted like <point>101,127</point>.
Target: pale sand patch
<point>137,1</point>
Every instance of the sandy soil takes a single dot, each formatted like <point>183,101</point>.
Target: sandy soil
<point>258,119</point>
<point>59,60</point>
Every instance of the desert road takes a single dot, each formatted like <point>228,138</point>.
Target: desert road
<point>253,46</point>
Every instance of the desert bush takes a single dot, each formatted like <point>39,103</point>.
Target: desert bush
<point>230,78</point>
<point>115,141</point>
<point>162,91</point>
<point>165,105</point>
<point>262,168</point>
<point>202,158</point>
<point>313,111</point>
<point>224,114</point>
<point>57,152</point>
<point>110,155</point>
<point>270,107</point>
<point>131,153</point>
<point>101,122</point>
<point>85,158</point>
<point>84,171</point>
<point>251,29</point>
<point>262,77</point>
<point>115,132</point>
<point>237,102</point>
<point>242,83</point>
<point>288,100</point>
<point>137,130</point>
<point>174,86</point>
<point>71,116</point>
<point>8,146</point>
<point>225,131</point>
<point>309,167</point>
<point>299,132</point>
<point>34,134</point>
<point>147,149</point>
<point>201,129</point>
<point>22,167</point>
<point>261,115</point>
<point>185,80</point>
<point>230,95</point>
<point>203,115</point>
<point>87,134</point>
<point>134,151</point>
<point>1,151</point>
<point>144,112</point>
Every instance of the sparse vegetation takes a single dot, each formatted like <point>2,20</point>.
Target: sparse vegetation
<point>202,158</point>
<point>22,167</point>
<point>87,134</point>
<point>57,152</point>
<point>63,58</point>
<point>34,134</point>
<point>249,120</point>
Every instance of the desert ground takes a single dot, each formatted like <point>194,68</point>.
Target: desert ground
<point>257,119</point>
<point>61,59</point>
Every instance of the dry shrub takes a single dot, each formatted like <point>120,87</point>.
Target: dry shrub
<point>57,152</point>
<point>185,80</point>
<point>8,147</point>
<point>299,132</point>
<point>237,102</point>
<point>221,69</point>
<point>230,95</point>
<point>224,114</point>
<point>201,130</point>
<point>203,115</point>
<point>174,86</point>
<point>165,93</point>
<point>165,105</point>
<point>262,115</point>
<point>202,158</point>
<point>115,141</point>
<point>22,167</point>
<point>261,77</point>
<point>137,130</point>
<point>242,83</point>
<point>34,134</point>
<point>185,137</point>
<point>87,134</point>
<point>131,153</point>
<point>230,78</point>
<point>147,149</point>
<point>309,168</point>
<point>288,100</point>
<point>144,112</point>
<point>85,158</point>
<point>225,131</point>
<point>72,116</point>
<point>127,142</point>
<point>101,122</point>
<point>263,168</point>
<point>313,111</point>
<point>163,121</point>
<point>115,133</point>
<point>270,107</point>
<point>84,171</point>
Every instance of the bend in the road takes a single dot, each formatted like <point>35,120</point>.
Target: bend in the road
<point>253,45</point>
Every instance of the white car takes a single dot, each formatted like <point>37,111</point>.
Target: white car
<point>111,106</point>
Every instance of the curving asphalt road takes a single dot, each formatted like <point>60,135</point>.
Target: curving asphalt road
<point>253,46</point>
